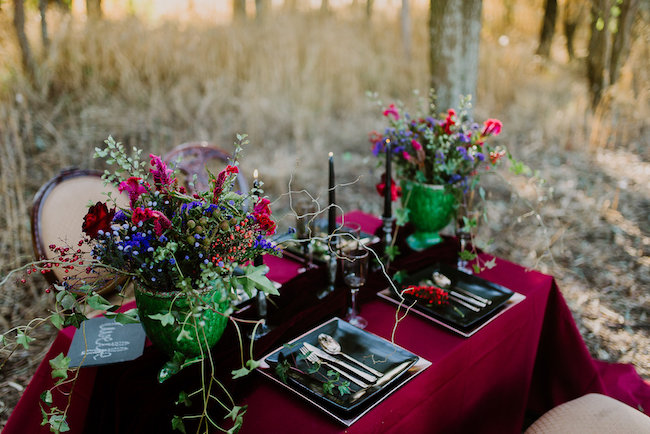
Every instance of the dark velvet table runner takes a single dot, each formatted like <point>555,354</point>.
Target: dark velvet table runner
<point>525,362</point>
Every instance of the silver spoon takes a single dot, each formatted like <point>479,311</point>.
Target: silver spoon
<point>331,346</point>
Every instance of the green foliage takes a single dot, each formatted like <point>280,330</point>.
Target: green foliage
<point>60,366</point>
<point>23,339</point>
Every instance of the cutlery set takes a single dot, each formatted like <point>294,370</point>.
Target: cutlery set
<point>366,378</point>
<point>462,297</point>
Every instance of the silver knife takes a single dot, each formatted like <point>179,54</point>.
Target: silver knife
<point>385,379</point>
<point>323,355</point>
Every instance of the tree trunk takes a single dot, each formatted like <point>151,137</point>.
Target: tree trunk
<point>239,10</point>
<point>369,4</point>
<point>42,7</point>
<point>599,50</point>
<point>548,28</point>
<point>455,28</point>
<point>26,53</point>
<point>94,9</point>
<point>290,5</point>
<point>324,7</point>
<point>261,9</point>
<point>573,10</point>
<point>406,29</point>
<point>621,42</point>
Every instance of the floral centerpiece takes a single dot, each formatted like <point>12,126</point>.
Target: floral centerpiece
<point>188,254</point>
<point>435,155</point>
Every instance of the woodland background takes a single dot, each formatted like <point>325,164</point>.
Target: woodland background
<point>293,75</point>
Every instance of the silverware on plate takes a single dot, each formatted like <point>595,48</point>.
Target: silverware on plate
<point>312,357</point>
<point>323,355</point>
<point>384,379</point>
<point>331,346</point>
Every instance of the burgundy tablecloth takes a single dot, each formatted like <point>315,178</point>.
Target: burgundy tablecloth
<point>527,361</point>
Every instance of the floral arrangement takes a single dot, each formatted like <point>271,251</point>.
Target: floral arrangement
<point>166,240</point>
<point>171,240</point>
<point>447,149</point>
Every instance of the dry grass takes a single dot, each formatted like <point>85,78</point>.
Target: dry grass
<point>296,85</point>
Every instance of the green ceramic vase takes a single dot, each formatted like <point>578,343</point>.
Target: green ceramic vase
<point>211,324</point>
<point>430,209</point>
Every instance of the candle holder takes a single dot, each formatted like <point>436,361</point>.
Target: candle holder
<point>388,231</point>
<point>331,268</point>
<point>263,329</point>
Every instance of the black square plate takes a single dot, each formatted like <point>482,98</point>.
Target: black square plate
<point>357,343</point>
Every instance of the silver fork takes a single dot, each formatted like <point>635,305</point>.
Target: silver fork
<point>313,358</point>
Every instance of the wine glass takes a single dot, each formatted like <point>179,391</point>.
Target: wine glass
<point>465,223</point>
<point>350,236</point>
<point>355,269</point>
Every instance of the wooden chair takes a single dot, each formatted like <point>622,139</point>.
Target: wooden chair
<point>192,158</point>
<point>591,414</point>
<point>57,216</point>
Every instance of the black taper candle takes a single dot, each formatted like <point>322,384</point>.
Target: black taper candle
<point>332,197</point>
<point>388,212</point>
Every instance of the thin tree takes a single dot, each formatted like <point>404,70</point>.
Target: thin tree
<point>42,7</point>
<point>406,29</point>
<point>324,7</point>
<point>261,9</point>
<point>548,28</point>
<point>239,10</point>
<point>573,11</point>
<point>609,44</point>
<point>29,65</point>
<point>369,5</point>
<point>455,28</point>
<point>94,9</point>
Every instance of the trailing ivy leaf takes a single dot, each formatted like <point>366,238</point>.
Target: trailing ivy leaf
<point>466,255</point>
<point>252,364</point>
<point>177,424</point>
<point>289,346</point>
<point>165,319</point>
<point>313,368</point>
<point>344,388</point>
<point>98,302</point>
<point>328,387</point>
<point>172,367</point>
<point>183,398</point>
<point>58,423</point>
<point>24,340</point>
<point>392,252</point>
<point>402,216</point>
<point>183,334</point>
<point>46,397</point>
<point>3,340</point>
<point>491,263</point>
<point>128,317</point>
<point>241,372</point>
<point>44,414</point>
<point>476,268</point>
<point>333,375</point>
<point>400,276</point>
<point>236,412</point>
<point>57,320</point>
<point>67,300</point>
<point>60,365</point>
<point>302,356</point>
<point>282,369</point>
<point>257,276</point>
<point>75,319</point>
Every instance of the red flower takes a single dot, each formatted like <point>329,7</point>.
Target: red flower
<point>133,187</point>
<point>221,180</point>
<point>449,121</point>
<point>496,156</point>
<point>141,215</point>
<point>395,190</point>
<point>492,127</point>
<point>262,206</point>
<point>98,219</point>
<point>265,223</point>
<point>160,222</point>
<point>392,111</point>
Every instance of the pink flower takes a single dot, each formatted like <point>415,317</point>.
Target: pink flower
<point>221,180</point>
<point>160,222</point>
<point>492,127</point>
<point>406,156</point>
<point>392,110</point>
<point>416,145</point>
<point>161,174</point>
<point>141,215</point>
<point>133,187</point>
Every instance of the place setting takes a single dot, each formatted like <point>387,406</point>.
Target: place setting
<point>341,369</point>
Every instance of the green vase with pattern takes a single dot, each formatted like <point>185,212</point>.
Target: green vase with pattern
<point>200,331</point>
<point>431,208</point>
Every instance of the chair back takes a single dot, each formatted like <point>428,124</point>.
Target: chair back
<point>192,158</point>
<point>57,216</point>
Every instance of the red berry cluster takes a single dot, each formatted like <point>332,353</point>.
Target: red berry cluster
<point>432,295</point>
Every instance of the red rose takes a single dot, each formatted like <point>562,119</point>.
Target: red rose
<point>98,219</point>
<point>265,223</point>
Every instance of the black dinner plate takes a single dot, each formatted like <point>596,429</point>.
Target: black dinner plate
<point>466,319</point>
<point>358,344</point>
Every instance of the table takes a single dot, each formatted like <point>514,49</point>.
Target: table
<point>529,360</point>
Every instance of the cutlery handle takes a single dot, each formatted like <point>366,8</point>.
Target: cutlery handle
<point>363,365</point>
<point>467,299</point>
<point>463,303</point>
<point>346,375</point>
<point>354,370</point>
